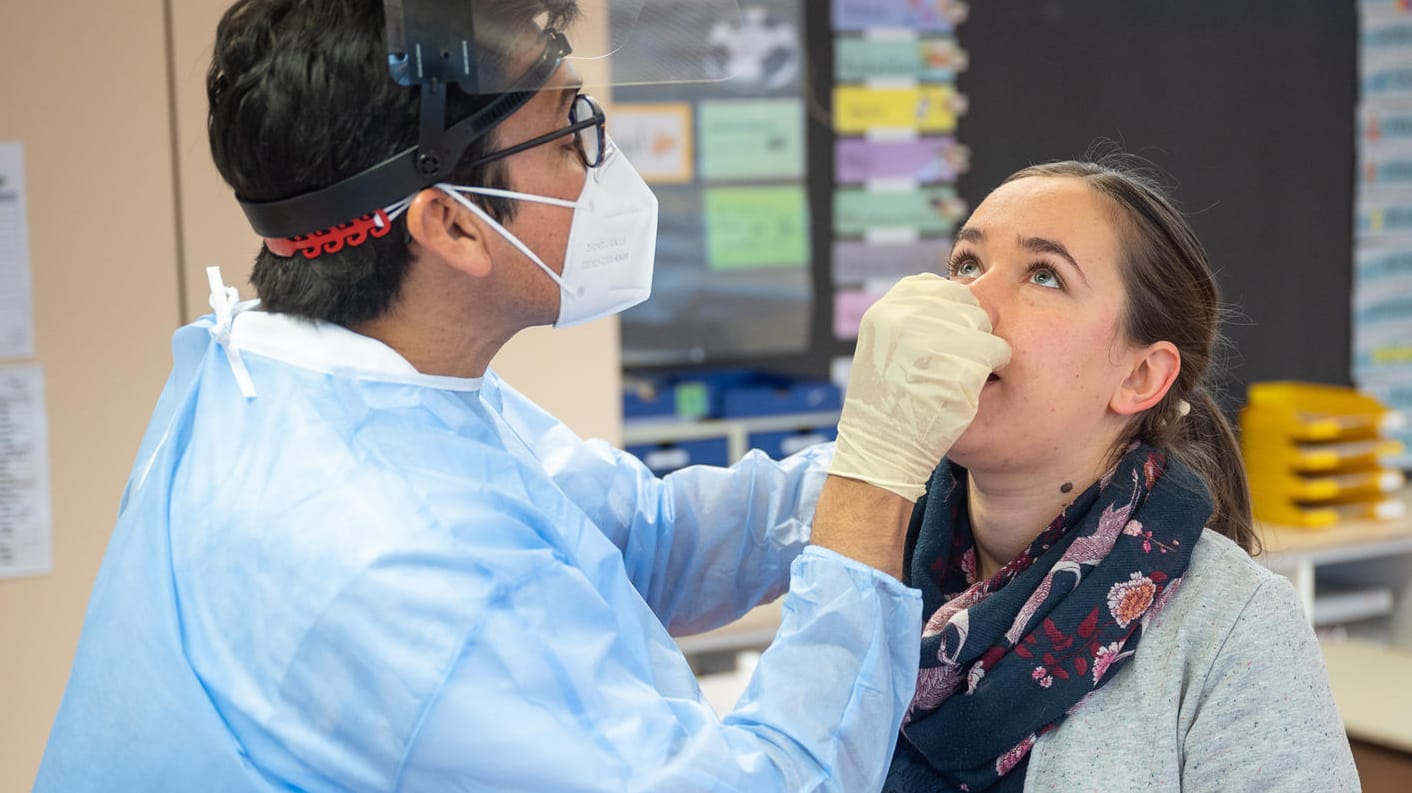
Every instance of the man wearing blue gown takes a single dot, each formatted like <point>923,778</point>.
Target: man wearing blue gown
<point>350,558</point>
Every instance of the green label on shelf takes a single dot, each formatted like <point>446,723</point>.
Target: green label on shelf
<point>691,400</point>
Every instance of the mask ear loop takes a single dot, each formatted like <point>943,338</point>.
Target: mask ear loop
<point>452,191</point>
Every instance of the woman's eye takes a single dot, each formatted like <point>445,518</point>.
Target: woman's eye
<point>966,268</point>
<point>1043,276</point>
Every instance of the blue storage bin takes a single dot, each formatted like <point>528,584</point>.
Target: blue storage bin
<point>766,400</point>
<point>780,445</point>
<point>663,458</point>
<point>641,403</point>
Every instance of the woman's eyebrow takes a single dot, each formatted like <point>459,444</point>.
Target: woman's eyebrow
<point>1042,245</point>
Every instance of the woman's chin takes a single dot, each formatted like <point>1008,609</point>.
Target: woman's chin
<point>963,451</point>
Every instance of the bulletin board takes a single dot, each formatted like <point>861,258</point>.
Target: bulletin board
<point>727,161</point>
<point>1248,109</point>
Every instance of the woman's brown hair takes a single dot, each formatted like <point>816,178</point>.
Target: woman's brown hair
<point>1172,296</point>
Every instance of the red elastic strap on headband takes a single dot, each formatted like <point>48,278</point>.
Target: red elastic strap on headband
<point>350,234</point>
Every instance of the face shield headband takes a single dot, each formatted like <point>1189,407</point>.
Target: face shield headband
<point>318,222</point>
<point>432,44</point>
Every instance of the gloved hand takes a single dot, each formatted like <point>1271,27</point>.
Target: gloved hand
<point>924,353</point>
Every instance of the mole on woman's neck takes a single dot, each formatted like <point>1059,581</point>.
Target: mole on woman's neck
<point>1066,487</point>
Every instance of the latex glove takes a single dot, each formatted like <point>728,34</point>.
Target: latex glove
<point>924,353</point>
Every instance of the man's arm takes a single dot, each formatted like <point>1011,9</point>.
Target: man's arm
<point>702,545</point>
<point>574,700</point>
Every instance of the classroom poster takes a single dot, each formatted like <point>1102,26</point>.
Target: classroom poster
<point>1382,271</point>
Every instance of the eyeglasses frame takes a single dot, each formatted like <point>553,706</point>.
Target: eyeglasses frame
<point>597,119</point>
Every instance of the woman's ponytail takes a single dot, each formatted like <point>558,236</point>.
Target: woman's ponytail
<point>1206,442</point>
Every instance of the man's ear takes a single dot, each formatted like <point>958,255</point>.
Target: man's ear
<point>449,231</point>
<point>1154,369</point>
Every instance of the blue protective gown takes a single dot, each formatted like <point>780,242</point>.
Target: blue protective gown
<point>368,579</point>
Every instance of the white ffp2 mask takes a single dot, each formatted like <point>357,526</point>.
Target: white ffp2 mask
<point>612,242</point>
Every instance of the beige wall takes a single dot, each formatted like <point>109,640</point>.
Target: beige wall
<point>125,212</point>
<point>102,238</point>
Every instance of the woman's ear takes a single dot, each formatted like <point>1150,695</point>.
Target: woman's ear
<point>449,231</point>
<point>1154,369</point>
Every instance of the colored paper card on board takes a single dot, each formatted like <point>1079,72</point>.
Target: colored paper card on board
<point>756,227</point>
<point>928,15</point>
<point>848,308</point>
<point>1382,341</point>
<point>1382,31</point>
<point>1370,264</point>
<point>1385,165</point>
<point>751,139</point>
<point>858,160</point>
<point>856,262</point>
<point>924,108</point>
<point>1386,361</point>
<point>657,139</point>
<point>930,210</point>
<point>857,59</point>
<point>1394,6</point>
<point>1380,122</point>
<point>1382,214</point>
<point>1383,75</point>
<point>1382,307</point>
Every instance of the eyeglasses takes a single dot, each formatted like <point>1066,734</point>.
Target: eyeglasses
<point>586,124</point>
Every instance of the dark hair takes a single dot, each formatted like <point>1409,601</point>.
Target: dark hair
<point>1172,296</point>
<point>300,97</point>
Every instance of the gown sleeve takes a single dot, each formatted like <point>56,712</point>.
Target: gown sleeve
<point>542,697</point>
<point>702,545</point>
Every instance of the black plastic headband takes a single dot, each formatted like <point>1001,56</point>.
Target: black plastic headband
<point>432,160</point>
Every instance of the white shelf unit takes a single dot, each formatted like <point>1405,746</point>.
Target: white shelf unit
<point>1364,567</point>
<point>736,431</point>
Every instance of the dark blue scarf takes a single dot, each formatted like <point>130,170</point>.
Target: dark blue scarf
<point>1008,659</point>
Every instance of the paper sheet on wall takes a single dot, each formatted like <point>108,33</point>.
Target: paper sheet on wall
<point>16,298</point>
<point>929,210</point>
<point>926,109</point>
<point>897,55</point>
<point>757,227</point>
<point>857,261</point>
<point>657,139</point>
<point>924,160</point>
<point>925,15</point>
<point>25,518</point>
<point>849,306</point>
<point>752,139</point>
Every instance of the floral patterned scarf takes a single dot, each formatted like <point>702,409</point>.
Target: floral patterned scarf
<point>1007,659</point>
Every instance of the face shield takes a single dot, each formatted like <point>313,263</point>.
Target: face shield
<point>492,49</point>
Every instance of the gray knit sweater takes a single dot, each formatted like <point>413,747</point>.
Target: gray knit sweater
<point>1227,692</point>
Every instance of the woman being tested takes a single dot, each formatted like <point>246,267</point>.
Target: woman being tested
<point>1094,620</point>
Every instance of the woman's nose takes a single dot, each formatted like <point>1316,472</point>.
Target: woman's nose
<point>990,302</point>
